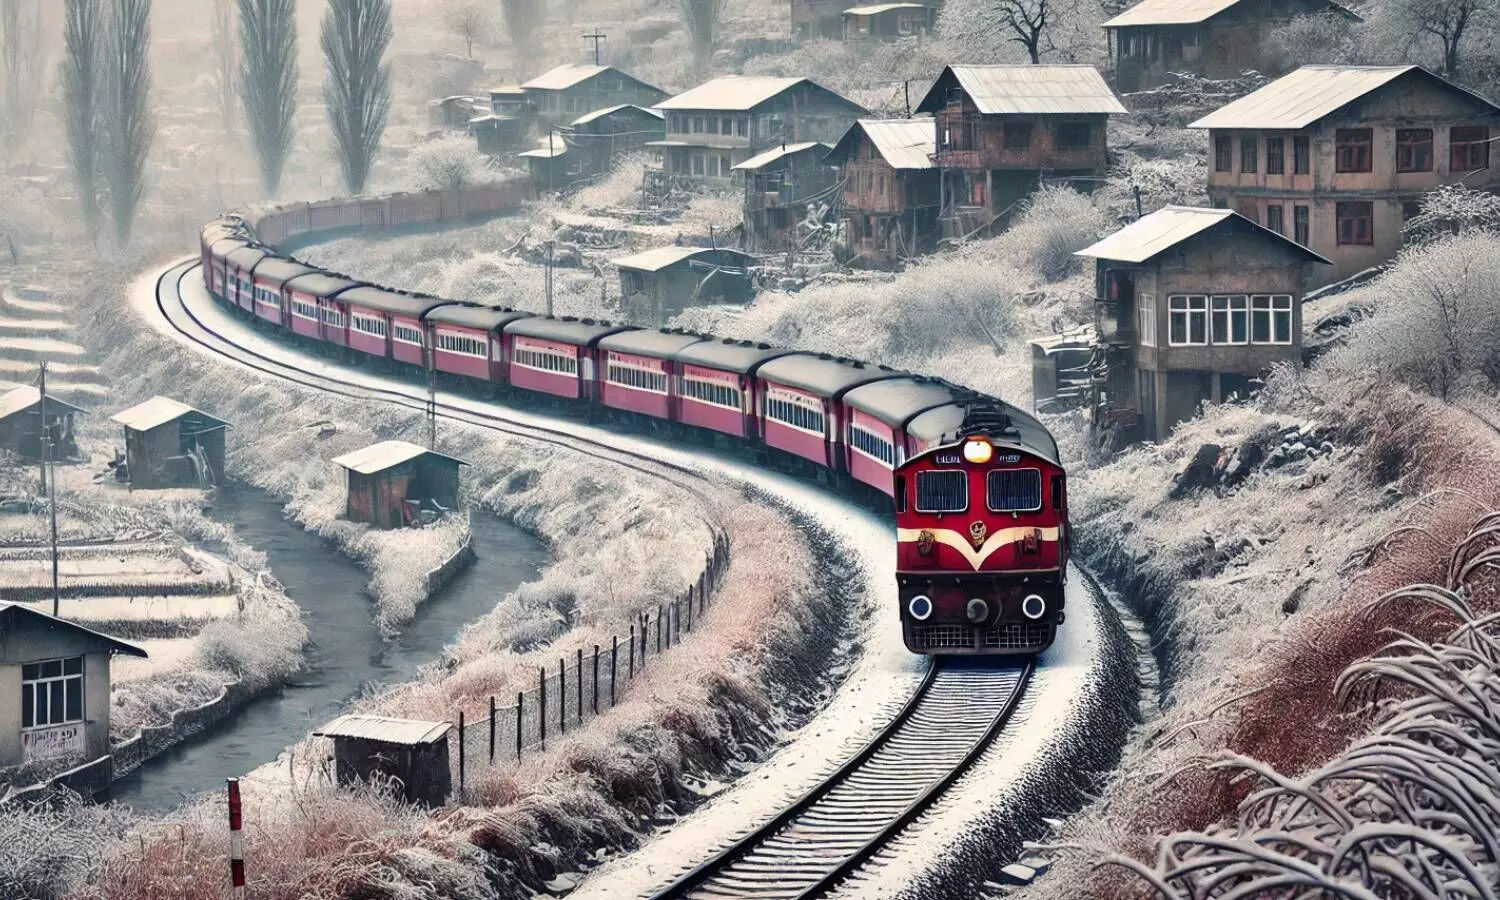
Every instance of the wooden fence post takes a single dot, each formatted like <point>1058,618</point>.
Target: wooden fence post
<point>690,610</point>
<point>631,663</point>
<point>543,710</point>
<point>492,729</point>
<point>596,679</point>
<point>562,695</point>
<point>461,742</point>
<point>614,660</point>
<point>520,721</point>
<point>579,670</point>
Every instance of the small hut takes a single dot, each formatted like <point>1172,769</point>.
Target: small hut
<point>170,444</point>
<point>22,421</point>
<point>391,483</point>
<point>414,754</point>
<point>659,283</point>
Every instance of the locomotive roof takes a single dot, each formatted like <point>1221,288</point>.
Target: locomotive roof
<point>650,342</point>
<point>728,354</point>
<point>822,374</point>
<point>280,269</point>
<point>475,315</point>
<point>580,332</point>
<point>388,301</point>
<point>322,284</point>
<point>941,425</point>
<point>896,401</point>
<point>228,241</point>
<point>246,257</point>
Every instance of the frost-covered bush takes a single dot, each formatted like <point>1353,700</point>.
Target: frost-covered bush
<point>1453,209</point>
<point>448,163</point>
<point>620,188</point>
<point>50,850</point>
<point>1054,224</point>
<point>1437,326</point>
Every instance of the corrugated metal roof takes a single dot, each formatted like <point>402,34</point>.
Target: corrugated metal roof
<point>564,77</point>
<point>1166,228</point>
<point>897,401</point>
<point>903,143</point>
<point>15,610</point>
<point>761,160</point>
<point>386,454</point>
<point>1028,90</point>
<point>1170,12</point>
<point>824,375</point>
<point>1303,97</point>
<point>158,411</point>
<point>728,354</point>
<point>739,93</point>
<point>23,398</point>
<point>611,110</point>
<point>658,258</point>
<point>385,729</point>
<point>879,8</point>
<point>508,89</point>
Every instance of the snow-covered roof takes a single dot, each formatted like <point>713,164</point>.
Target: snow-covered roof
<point>821,374</point>
<point>1303,97</point>
<point>896,401</point>
<point>559,148</point>
<point>651,342</point>
<point>159,411</point>
<point>12,611</point>
<point>385,455</point>
<point>1182,12</point>
<point>611,110</point>
<point>878,8</point>
<point>23,398</point>
<point>563,77</point>
<point>740,93</point>
<point>902,143</point>
<point>385,729</point>
<point>1169,226</point>
<point>1027,90</point>
<point>658,258</point>
<point>761,160</point>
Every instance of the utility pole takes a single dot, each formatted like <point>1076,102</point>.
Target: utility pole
<point>41,381</point>
<point>431,398</point>
<point>551,158</point>
<point>49,479</point>
<point>549,277</point>
<point>596,37</point>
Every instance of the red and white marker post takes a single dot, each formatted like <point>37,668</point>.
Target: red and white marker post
<point>236,842</point>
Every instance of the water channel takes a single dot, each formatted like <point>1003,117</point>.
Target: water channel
<point>345,651</point>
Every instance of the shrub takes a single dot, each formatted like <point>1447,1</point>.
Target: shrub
<point>448,163</point>
<point>1055,223</point>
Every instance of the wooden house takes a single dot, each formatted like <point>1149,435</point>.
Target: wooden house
<point>452,113</point>
<point>22,420</point>
<point>887,22</point>
<point>568,91</point>
<point>813,19</point>
<point>412,754</point>
<point>1338,157</point>
<point>1192,304</point>
<point>781,185</point>
<point>170,444</point>
<point>497,135</point>
<point>724,122</point>
<point>391,483</point>
<point>604,134</point>
<point>1211,38</point>
<point>554,166</point>
<point>657,284</point>
<point>891,191</point>
<point>510,100</point>
<point>1000,129</point>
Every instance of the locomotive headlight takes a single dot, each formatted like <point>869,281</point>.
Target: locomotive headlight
<point>977,610</point>
<point>978,451</point>
<point>920,607</point>
<point>1033,607</point>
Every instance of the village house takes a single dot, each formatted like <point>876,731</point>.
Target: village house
<point>452,113</point>
<point>554,166</point>
<point>22,421</point>
<point>1192,304</point>
<point>721,123</point>
<point>509,100</point>
<point>1213,38</point>
<point>1338,157</point>
<point>496,135</point>
<point>1001,129</point>
<point>170,444</point>
<point>891,193</point>
<point>604,134</point>
<point>657,284</point>
<point>54,689</point>
<point>781,185</point>
<point>568,91</point>
<point>813,19</point>
<point>888,21</point>
<point>390,484</point>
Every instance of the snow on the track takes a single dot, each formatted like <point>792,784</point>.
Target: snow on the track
<point>884,676</point>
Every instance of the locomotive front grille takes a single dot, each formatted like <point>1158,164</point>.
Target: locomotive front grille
<point>942,637</point>
<point>1026,636</point>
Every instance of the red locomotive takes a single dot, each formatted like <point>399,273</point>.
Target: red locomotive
<point>982,537</point>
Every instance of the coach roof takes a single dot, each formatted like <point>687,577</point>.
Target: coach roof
<point>476,315</point>
<point>650,342</point>
<point>393,302</point>
<point>580,332</point>
<point>896,401</point>
<point>322,284</point>
<point>246,257</point>
<point>739,357</point>
<point>275,268</point>
<point>822,374</point>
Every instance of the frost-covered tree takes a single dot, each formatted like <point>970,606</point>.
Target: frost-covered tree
<point>1450,210</point>
<point>22,62</point>
<point>450,163</point>
<point>127,123</point>
<point>268,82</point>
<point>357,85</point>
<point>1025,22</point>
<point>1453,24</point>
<point>469,20</point>
<point>83,59</point>
<point>226,52</point>
<point>702,20</point>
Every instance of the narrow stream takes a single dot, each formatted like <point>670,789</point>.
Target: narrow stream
<point>345,651</point>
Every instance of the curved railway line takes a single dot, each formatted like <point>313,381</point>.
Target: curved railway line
<point>831,832</point>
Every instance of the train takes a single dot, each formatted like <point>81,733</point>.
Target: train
<point>976,484</point>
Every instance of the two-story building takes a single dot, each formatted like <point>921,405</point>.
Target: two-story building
<point>1192,304</point>
<point>568,91</point>
<point>614,131</point>
<point>1338,157</point>
<point>891,193</point>
<point>1213,38</point>
<point>886,22</point>
<point>813,19</point>
<point>781,186</point>
<point>1000,129</point>
<point>721,123</point>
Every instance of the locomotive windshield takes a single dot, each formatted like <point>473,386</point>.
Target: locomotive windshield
<point>943,491</point>
<point>1014,490</point>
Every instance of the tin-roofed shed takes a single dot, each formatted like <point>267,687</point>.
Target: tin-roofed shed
<point>888,21</point>
<point>22,420</point>
<point>657,284</point>
<point>391,483</point>
<point>171,444</point>
<point>412,753</point>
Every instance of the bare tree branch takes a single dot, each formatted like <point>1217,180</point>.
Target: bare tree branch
<point>268,82</point>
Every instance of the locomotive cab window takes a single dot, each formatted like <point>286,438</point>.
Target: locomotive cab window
<point>943,491</point>
<point>1013,490</point>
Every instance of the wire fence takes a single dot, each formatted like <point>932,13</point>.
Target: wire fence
<point>581,685</point>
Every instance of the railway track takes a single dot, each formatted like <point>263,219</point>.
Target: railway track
<point>832,831</point>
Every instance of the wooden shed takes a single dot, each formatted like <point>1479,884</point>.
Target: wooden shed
<point>660,283</point>
<point>170,444</point>
<point>22,419</point>
<point>392,482</point>
<point>414,754</point>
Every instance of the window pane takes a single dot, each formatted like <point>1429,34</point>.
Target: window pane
<point>28,706</point>
<point>31,672</point>
<point>55,702</point>
<point>52,668</point>
<point>74,702</point>
<point>73,666</point>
